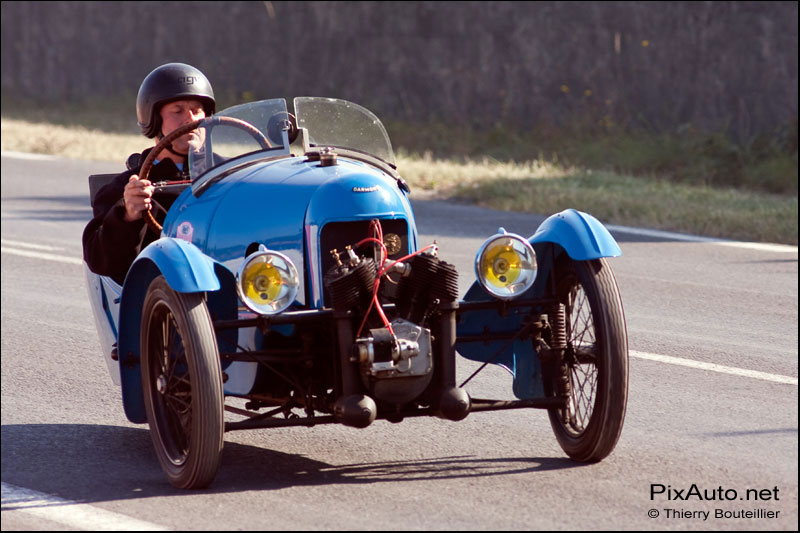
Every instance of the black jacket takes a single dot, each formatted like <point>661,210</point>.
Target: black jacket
<point>110,243</point>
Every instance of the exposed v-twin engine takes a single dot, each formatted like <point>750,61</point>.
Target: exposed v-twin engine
<point>396,360</point>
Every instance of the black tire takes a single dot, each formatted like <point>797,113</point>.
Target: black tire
<point>596,361</point>
<point>182,385</point>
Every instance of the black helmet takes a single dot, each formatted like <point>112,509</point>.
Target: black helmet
<point>173,81</point>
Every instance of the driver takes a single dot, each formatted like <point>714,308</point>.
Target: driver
<point>170,96</point>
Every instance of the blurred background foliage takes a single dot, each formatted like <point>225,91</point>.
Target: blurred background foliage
<point>700,92</point>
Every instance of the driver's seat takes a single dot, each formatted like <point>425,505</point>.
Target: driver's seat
<point>97,182</point>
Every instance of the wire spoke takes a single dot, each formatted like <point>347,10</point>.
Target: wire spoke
<point>582,359</point>
<point>171,374</point>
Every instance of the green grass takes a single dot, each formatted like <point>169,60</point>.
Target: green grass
<point>701,160</point>
<point>680,181</point>
<point>767,163</point>
<point>646,202</point>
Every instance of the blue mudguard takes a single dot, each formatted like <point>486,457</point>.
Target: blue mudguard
<point>583,238</point>
<point>186,269</point>
<point>581,235</point>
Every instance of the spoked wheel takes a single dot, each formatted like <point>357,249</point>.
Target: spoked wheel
<point>593,373</point>
<point>182,385</point>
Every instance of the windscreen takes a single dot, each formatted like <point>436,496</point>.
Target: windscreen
<point>338,123</point>
<point>236,131</point>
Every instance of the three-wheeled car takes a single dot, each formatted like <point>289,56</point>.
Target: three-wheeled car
<point>288,273</point>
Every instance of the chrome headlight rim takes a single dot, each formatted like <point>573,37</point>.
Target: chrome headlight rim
<point>515,289</point>
<point>293,285</point>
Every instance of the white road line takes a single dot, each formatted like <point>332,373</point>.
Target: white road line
<point>30,245</point>
<point>72,514</point>
<point>714,367</point>
<point>25,155</point>
<point>761,246</point>
<point>42,255</point>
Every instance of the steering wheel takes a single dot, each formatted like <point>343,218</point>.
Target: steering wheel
<point>208,123</point>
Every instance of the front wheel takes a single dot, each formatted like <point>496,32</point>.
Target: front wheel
<point>592,372</point>
<point>182,385</point>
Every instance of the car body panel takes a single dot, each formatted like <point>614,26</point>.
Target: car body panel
<point>104,296</point>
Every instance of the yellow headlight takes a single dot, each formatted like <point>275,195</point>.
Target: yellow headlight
<point>267,282</point>
<point>506,265</point>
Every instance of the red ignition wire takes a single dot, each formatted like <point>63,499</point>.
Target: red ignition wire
<point>377,231</point>
<point>409,256</point>
<point>382,269</point>
<point>384,253</point>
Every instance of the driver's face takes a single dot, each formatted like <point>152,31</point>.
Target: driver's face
<point>176,114</point>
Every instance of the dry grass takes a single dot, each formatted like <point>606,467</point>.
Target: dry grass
<point>445,177</point>
<point>74,142</point>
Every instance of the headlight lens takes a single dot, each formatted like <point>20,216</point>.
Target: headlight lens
<point>506,265</point>
<point>267,282</point>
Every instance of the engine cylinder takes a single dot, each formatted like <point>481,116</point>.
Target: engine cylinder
<point>414,291</point>
<point>445,287</point>
<point>349,286</point>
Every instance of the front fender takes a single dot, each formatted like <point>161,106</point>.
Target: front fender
<point>583,237</point>
<point>580,234</point>
<point>186,269</point>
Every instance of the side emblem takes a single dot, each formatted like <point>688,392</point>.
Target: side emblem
<point>185,231</point>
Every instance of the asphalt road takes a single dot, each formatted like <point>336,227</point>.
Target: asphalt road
<point>712,410</point>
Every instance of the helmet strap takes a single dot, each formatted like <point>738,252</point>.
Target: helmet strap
<point>177,153</point>
<point>169,148</point>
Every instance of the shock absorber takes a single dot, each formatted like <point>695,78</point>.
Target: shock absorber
<point>558,348</point>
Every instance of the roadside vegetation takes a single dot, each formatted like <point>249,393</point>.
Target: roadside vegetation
<point>683,181</point>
